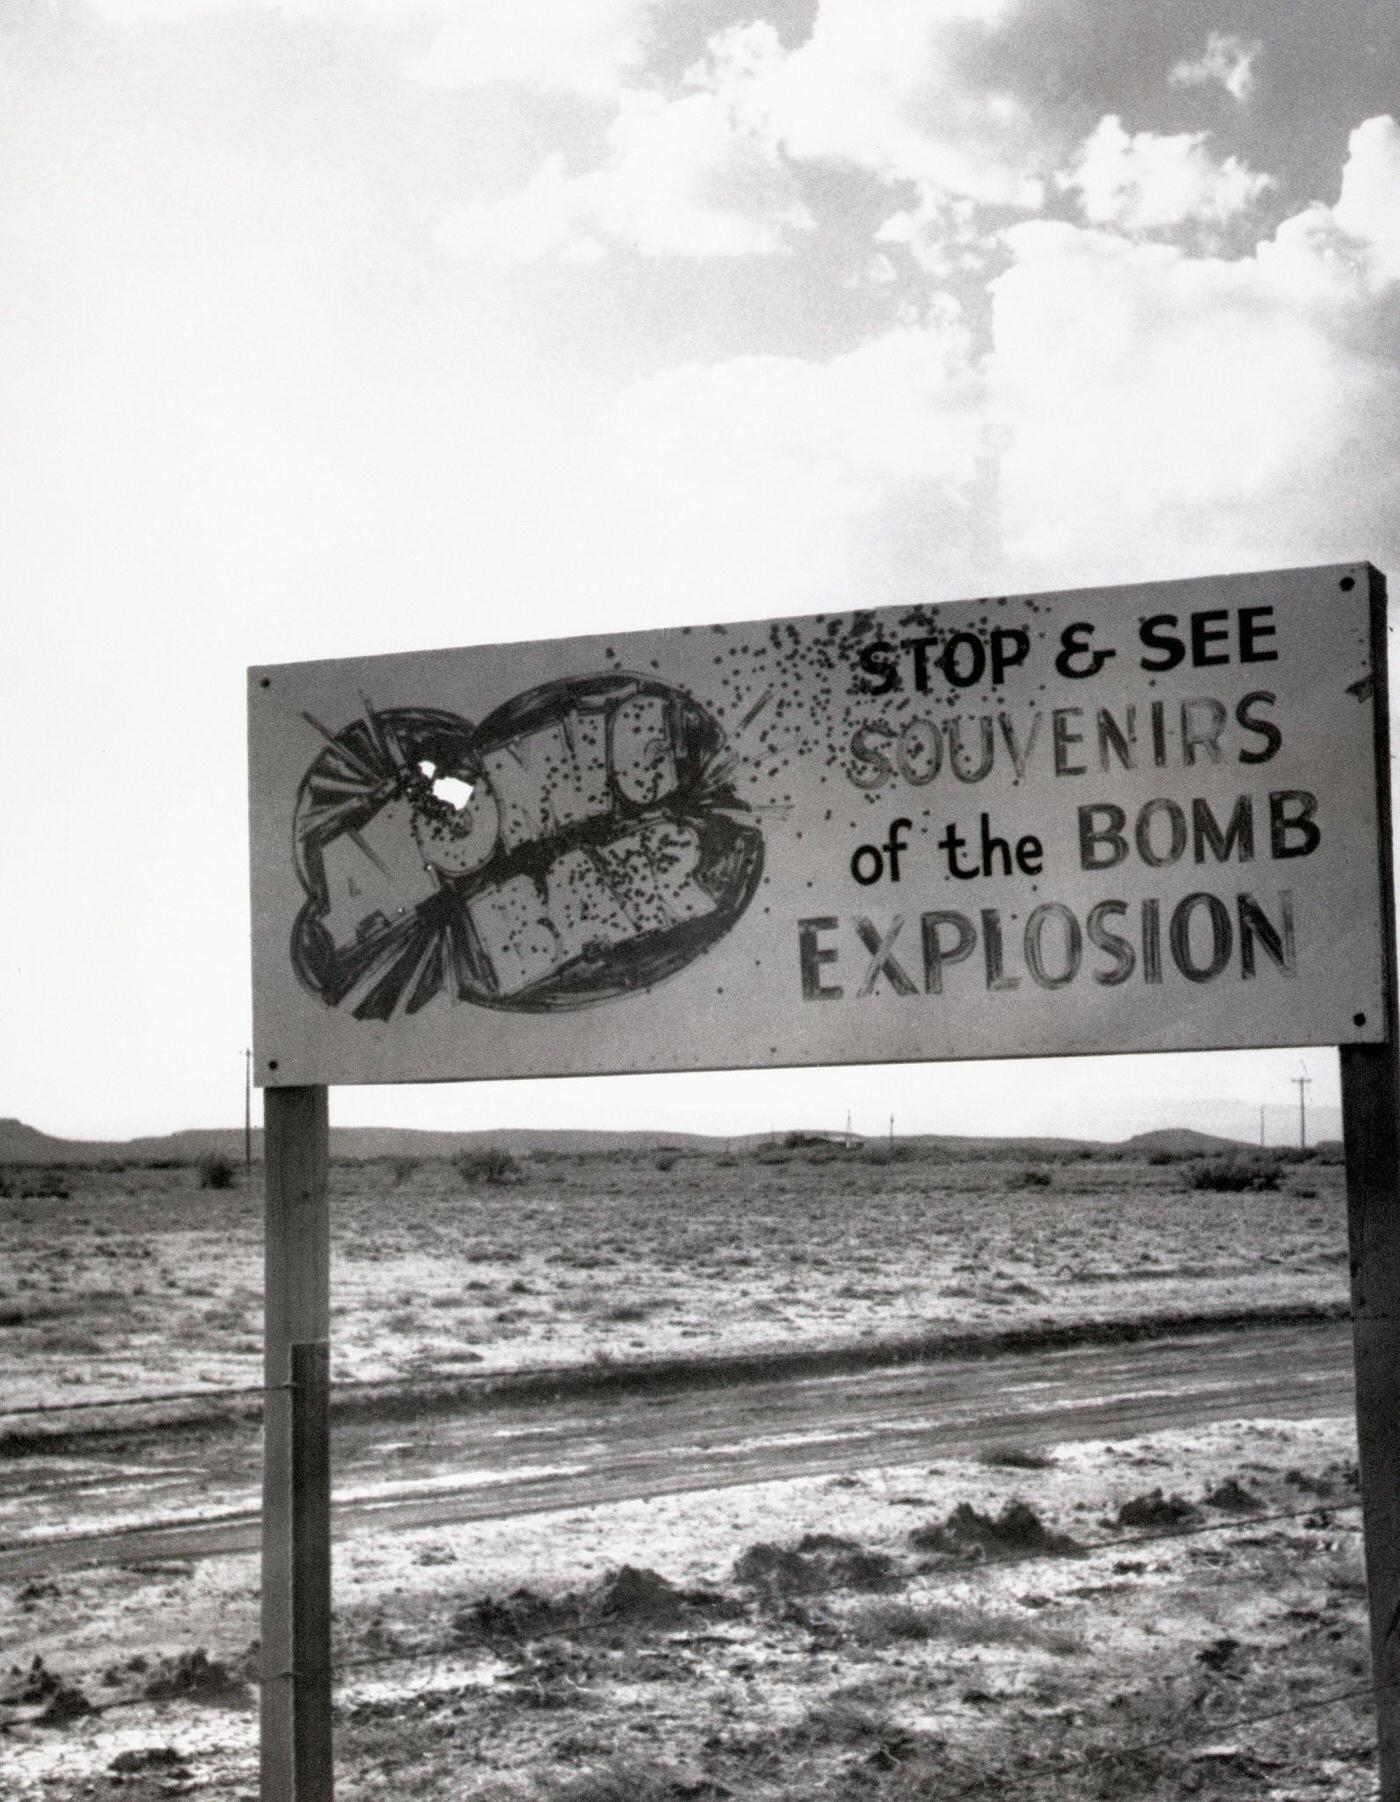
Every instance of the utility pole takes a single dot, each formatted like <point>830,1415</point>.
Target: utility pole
<point>1261,1126</point>
<point>1302,1083</point>
<point>891,1132</point>
<point>248,1110</point>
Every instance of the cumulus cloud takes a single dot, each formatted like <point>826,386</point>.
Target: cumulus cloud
<point>1147,181</point>
<point>1136,411</point>
<point>1227,60</point>
<point>942,235</point>
<point>770,484</point>
<point>555,216</point>
<point>897,88</point>
<point>1369,207</point>
<point>889,86</point>
<point>1245,409</point>
<point>587,46</point>
<point>698,176</point>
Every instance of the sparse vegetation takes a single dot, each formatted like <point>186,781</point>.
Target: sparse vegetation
<point>1235,1175</point>
<point>1017,1457</point>
<point>1156,1511</point>
<point>626,1779</point>
<point>984,1659</point>
<point>885,1623</point>
<point>491,1166</point>
<point>216,1171</point>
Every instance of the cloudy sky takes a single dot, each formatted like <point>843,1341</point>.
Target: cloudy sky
<point>336,327</point>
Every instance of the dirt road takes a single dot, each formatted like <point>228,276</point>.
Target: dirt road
<point>198,1502</point>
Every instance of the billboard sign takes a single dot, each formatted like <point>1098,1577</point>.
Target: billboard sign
<point>1113,820</point>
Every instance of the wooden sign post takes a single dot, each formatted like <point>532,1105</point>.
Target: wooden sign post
<point>1153,818</point>
<point>1371,1133</point>
<point>1370,1110</point>
<point>297,1764</point>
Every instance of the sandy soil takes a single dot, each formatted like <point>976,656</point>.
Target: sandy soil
<point>137,1280</point>
<point>870,1658</point>
<point>847,1659</point>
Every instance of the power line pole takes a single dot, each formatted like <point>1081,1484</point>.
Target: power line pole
<point>1261,1126</point>
<point>248,1110</point>
<point>1302,1084</point>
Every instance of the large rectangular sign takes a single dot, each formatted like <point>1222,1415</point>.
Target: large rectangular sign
<point>1132,819</point>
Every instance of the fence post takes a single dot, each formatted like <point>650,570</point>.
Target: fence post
<point>296,1736</point>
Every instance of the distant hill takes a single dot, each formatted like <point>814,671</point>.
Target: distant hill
<point>1183,1141</point>
<point>21,1144</point>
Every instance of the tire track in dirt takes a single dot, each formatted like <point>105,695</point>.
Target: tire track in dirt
<point>483,1465</point>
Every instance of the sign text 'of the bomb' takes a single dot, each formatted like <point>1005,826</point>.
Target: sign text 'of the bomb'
<point>1143,818</point>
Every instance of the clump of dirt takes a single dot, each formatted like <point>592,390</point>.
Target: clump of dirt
<point>778,1570</point>
<point>52,1699</point>
<point>715,1602</point>
<point>969,1533</point>
<point>1157,1510</point>
<point>148,1758</point>
<point>195,1676</point>
<point>1016,1457</point>
<point>523,1614</point>
<point>67,1703</point>
<point>817,1563</point>
<point>1222,1655</point>
<point>1233,1498</point>
<point>630,1594</point>
<point>1300,1480</point>
<point>864,1570</point>
<point>114,1676</point>
<point>34,1595</point>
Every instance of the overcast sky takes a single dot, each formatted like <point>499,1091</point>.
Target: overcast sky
<point>337,327</point>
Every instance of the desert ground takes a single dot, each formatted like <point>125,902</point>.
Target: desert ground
<point>1167,1611</point>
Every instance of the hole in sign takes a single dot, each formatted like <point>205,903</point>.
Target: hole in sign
<point>452,791</point>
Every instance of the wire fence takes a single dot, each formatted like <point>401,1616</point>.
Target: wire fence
<point>1121,1752</point>
<point>990,1561</point>
<point>1126,1751</point>
<point>1322,1512</point>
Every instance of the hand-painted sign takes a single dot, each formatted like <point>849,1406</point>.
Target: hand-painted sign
<point>1126,819</point>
